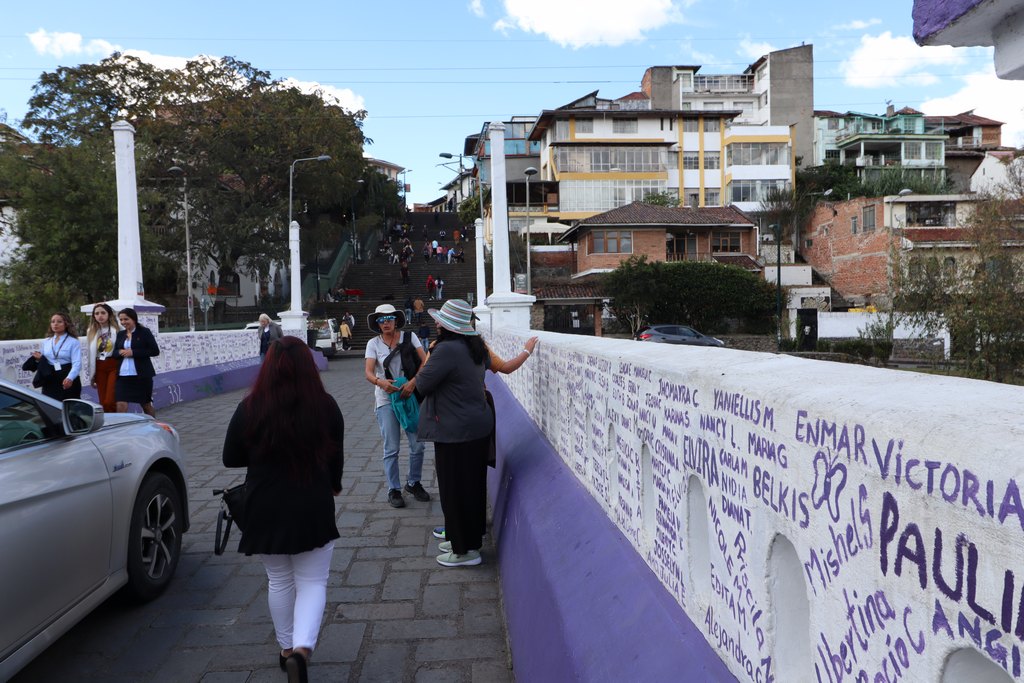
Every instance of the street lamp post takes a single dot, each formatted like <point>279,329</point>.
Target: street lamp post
<point>405,202</point>
<point>777,227</point>
<point>293,243</point>
<point>178,170</point>
<point>529,172</point>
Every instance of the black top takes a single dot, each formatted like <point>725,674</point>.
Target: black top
<point>143,348</point>
<point>284,517</point>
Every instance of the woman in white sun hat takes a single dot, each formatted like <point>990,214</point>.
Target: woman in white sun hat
<point>456,417</point>
<point>383,366</point>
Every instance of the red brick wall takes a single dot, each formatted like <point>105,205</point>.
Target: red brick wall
<point>855,264</point>
<point>552,259</point>
<point>649,242</point>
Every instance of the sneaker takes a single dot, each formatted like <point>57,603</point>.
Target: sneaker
<point>445,546</point>
<point>472,557</point>
<point>439,532</point>
<point>418,492</point>
<point>395,498</point>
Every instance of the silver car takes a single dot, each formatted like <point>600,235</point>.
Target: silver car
<point>89,504</point>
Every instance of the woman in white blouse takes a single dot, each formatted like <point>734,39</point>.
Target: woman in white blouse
<point>102,374</point>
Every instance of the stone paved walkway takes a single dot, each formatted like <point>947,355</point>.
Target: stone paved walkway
<point>393,613</point>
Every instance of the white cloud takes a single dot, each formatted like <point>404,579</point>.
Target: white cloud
<point>988,96</point>
<point>889,61</point>
<point>857,25</point>
<point>476,7</point>
<point>584,23</point>
<point>694,55</point>
<point>342,97</point>
<point>752,50</point>
<point>58,44</point>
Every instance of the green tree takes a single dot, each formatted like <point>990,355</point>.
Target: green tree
<point>661,199</point>
<point>703,294</point>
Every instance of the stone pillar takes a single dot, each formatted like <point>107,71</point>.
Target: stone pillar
<point>293,322</point>
<point>130,290</point>
<point>481,309</point>
<point>508,309</point>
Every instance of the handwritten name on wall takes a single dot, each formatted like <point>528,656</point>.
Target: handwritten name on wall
<point>906,514</point>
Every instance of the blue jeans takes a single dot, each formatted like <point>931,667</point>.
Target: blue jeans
<point>391,432</point>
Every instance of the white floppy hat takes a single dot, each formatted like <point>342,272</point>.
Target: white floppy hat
<point>383,310</point>
<point>455,316</point>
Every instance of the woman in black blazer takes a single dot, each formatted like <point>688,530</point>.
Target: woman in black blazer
<point>134,347</point>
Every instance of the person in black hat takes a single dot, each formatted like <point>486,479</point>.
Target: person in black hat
<point>384,366</point>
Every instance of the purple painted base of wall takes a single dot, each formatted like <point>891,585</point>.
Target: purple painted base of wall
<point>203,382</point>
<point>580,604</point>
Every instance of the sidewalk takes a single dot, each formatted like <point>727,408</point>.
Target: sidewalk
<point>393,613</point>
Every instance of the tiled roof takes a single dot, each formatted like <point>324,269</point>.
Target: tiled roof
<point>639,213</point>
<point>569,291</point>
<point>828,113</point>
<point>635,96</point>
<point>741,260</point>
<point>908,110</point>
<point>964,119</point>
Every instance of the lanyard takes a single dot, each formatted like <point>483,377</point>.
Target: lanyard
<point>54,350</point>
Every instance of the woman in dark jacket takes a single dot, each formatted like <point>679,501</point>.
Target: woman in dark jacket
<point>456,417</point>
<point>289,433</point>
<point>134,347</point>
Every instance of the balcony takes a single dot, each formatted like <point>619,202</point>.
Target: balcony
<point>691,256</point>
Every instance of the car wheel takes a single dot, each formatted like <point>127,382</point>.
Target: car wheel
<point>154,542</point>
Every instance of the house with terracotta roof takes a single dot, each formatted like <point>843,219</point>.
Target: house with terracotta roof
<point>661,233</point>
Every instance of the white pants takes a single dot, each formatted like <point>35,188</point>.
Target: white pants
<point>297,594</point>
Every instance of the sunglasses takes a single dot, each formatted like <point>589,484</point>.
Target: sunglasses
<point>386,319</point>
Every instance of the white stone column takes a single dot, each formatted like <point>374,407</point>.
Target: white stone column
<point>293,322</point>
<point>481,309</point>
<point>130,290</point>
<point>508,309</point>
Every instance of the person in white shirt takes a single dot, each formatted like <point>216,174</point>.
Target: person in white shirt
<point>384,366</point>
<point>102,367</point>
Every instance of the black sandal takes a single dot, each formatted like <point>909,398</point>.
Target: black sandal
<point>295,665</point>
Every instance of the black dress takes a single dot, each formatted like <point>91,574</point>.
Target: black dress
<point>284,517</point>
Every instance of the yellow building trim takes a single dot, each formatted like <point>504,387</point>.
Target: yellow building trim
<point>551,164</point>
<point>574,215</point>
<point>792,160</point>
<point>572,127</point>
<point>721,165</point>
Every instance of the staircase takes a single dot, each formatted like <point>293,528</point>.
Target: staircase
<point>381,283</point>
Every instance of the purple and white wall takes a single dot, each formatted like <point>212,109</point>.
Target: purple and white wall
<point>806,520</point>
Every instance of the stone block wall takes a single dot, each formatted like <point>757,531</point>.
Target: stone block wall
<point>815,521</point>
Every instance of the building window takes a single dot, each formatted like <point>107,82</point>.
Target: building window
<point>605,194</point>
<point>691,161</point>
<point>934,151</point>
<point>584,126</point>
<point>912,150</point>
<point>712,160</point>
<point>713,106</point>
<point>685,106</point>
<point>746,109</point>
<point>561,130</point>
<point>853,224</point>
<point>712,197</point>
<point>931,214</point>
<point>832,154</point>
<point>712,125</point>
<point>833,124</point>
<point>692,196</point>
<point>625,158</point>
<point>624,126</point>
<point>753,190</point>
<point>869,218</point>
<point>758,154</point>
<point>611,242</point>
<point>726,241</point>
<point>691,125</point>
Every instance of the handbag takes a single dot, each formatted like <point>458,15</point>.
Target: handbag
<point>232,510</point>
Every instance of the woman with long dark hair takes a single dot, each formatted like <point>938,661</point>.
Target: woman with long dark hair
<point>102,368</point>
<point>289,433</point>
<point>456,417</point>
<point>63,351</point>
<point>134,348</point>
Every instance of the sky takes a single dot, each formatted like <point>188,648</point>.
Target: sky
<point>430,73</point>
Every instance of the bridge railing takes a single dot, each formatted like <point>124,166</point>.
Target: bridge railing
<point>816,521</point>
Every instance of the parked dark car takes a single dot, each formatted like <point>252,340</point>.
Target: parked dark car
<point>676,334</point>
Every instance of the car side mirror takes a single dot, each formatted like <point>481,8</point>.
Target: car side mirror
<point>81,417</point>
